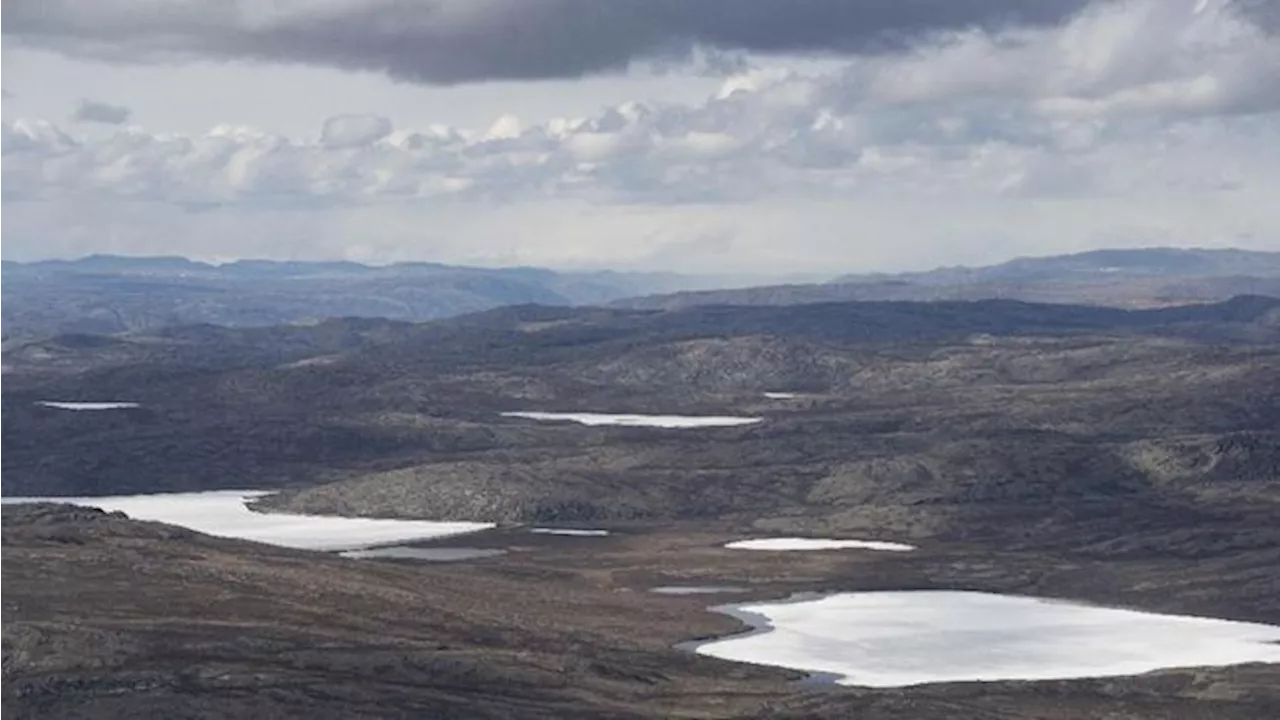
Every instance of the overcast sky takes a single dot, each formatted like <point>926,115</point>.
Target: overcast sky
<point>753,136</point>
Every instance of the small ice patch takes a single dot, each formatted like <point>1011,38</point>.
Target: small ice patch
<point>797,543</point>
<point>896,639</point>
<point>569,531</point>
<point>658,421</point>
<point>224,513</point>
<point>697,589</point>
<point>88,405</point>
<point>780,395</point>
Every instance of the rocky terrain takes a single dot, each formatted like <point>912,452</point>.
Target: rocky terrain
<point>396,409</point>
<point>169,623</point>
<point>110,618</point>
<point>1106,455</point>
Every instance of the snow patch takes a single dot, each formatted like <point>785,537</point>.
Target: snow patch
<point>697,589</point>
<point>797,543</point>
<point>224,513</point>
<point>896,639</point>
<point>569,531</point>
<point>659,421</point>
<point>780,395</point>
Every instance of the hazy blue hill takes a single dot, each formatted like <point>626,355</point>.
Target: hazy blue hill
<point>100,263</point>
<point>1148,277</point>
<point>107,293</point>
<point>1154,262</point>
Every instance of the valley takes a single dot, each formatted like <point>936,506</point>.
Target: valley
<point>640,360</point>
<point>1123,458</point>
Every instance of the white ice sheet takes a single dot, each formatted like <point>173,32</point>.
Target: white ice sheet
<point>223,513</point>
<point>892,639</point>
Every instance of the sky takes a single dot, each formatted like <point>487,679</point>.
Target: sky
<point>708,136</point>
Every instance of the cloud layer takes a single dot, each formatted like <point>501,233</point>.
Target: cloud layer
<point>448,41</point>
<point>1030,111</point>
<point>1156,120</point>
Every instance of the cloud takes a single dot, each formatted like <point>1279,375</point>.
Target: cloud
<point>93,111</point>
<point>1152,119</point>
<point>1026,111</point>
<point>353,131</point>
<point>451,41</point>
<point>1265,13</point>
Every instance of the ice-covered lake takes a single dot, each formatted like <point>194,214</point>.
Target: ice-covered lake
<point>658,421</point>
<point>894,639</point>
<point>88,405</point>
<point>224,513</point>
<point>432,554</point>
<point>781,544</point>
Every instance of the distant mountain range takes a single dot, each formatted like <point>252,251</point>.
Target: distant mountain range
<point>1142,278</point>
<point>110,294</point>
<point>1153,262</point>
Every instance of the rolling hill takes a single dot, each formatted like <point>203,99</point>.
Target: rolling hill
<point>1151,277</point>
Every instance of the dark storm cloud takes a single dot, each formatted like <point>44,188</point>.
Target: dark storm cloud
<point>1264,13</point>
<point>451,41</point>
<point>92,111</point>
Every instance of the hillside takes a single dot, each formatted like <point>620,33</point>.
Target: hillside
<point>406,417</point>
<point>314,635</point>
<point>165,622</point>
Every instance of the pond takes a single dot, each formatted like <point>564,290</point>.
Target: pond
<point>224,513</point>
<point>893,639</point>
<point>433,554</point>
<point>569,532</point>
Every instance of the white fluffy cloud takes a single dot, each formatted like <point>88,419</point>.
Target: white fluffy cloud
<point>1151,120</point>
<point>353,131</point>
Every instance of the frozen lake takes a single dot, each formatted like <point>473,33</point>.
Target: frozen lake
<point>783,544</point>
<point>223,513</point>
<point>433,554</point>
<point>894,639</point>
<point>88,405</point>
<point>659,421</point>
